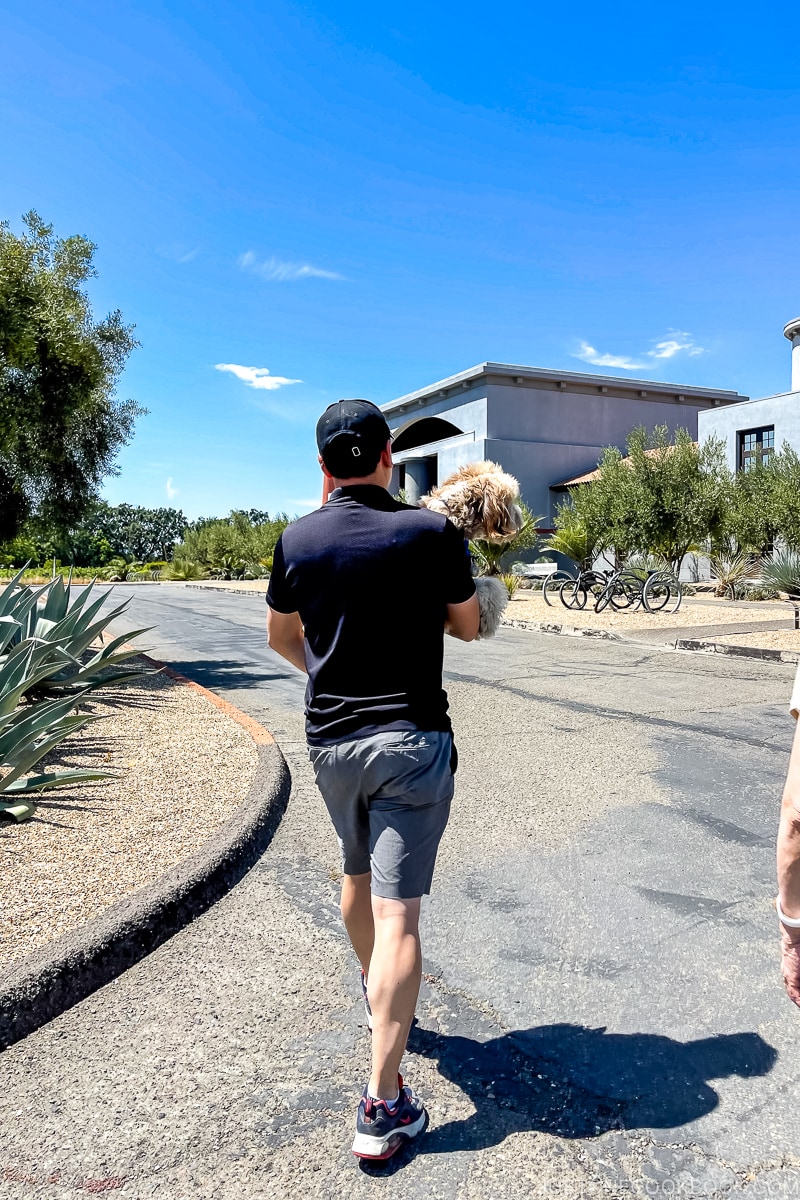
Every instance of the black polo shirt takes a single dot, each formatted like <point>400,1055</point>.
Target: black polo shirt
<point>371,579</point>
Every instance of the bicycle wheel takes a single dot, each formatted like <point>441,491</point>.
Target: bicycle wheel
<point>552,583</point>
<point>627,593</point>
<point>573,594</point>
<point>603,598</point>
<point>656,593</point>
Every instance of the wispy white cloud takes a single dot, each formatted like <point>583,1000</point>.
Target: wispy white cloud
<point>678,343</point>
<point>172,491</point>
<point>276,271</point>
<point>588,354</point>
<point>256,377</point>
<point>306,503</point>
<point>179,253</point>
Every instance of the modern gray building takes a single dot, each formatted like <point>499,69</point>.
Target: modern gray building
<point>756,428</point>
<point>542,426</point>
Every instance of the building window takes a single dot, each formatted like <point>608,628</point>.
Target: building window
<point>756,445</point>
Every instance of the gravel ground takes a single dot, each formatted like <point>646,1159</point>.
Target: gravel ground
<point>183,767</point>
<point>778,639</point>
<point>531,607</point>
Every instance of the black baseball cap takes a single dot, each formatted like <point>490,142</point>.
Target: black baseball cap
<point>351,436</point>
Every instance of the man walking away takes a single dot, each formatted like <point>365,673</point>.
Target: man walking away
<point>359,598</point>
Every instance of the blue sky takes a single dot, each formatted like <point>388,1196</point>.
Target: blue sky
<point>360,198</point>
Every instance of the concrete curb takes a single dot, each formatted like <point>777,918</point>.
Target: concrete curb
<point>562,630</point>
<point>230,591</point>
<point>690,644</point>
<point>762,652</point>
<point>50,980</point>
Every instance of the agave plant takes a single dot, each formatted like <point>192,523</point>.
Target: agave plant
<point>28,733</point>
<point>782,572</point>
<point>63,630</point>
<point>46,656</point>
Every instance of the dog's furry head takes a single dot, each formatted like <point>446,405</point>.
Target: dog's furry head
<point>481,499</point>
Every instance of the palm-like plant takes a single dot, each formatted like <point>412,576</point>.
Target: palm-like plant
<point>490,555</point>
<point>732,570</point>
<point>183,569</point>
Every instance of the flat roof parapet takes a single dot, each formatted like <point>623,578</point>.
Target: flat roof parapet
<point>509,374</point>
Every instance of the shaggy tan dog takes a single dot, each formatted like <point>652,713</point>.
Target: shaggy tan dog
<point>482,501</point>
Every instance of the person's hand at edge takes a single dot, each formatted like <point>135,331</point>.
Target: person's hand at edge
<point>790,963</point>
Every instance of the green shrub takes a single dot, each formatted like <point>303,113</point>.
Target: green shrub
<point>759,593</point>
<point>234,544</point>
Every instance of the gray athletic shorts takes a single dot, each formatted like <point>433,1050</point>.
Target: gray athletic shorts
<point>388,796</point>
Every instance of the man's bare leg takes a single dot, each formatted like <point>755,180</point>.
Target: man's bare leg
<point>356,907</point>
<point>394,979</point>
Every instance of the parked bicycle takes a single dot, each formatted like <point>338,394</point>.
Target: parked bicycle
<point>662,590</point>
<point>551,584</point>
<point>575,592</point>
<point>626,589</point>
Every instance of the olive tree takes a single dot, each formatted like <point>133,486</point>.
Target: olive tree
<point>663,497</point>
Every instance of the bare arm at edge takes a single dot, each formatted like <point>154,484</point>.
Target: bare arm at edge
<point>463,620</point>
<point>788,855</point>
<point>285,637</point>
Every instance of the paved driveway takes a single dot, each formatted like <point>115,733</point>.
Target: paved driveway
<point>602,1011</point>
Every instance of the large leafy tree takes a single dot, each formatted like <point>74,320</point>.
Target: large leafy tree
<point>61,426</point>
<point>129,531</point>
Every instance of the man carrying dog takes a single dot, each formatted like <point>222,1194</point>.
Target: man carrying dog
<point>360,595</point>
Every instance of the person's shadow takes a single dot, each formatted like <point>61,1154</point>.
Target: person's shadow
<point>575,1082</point>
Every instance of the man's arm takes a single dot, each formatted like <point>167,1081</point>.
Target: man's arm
<point>463,620</point>
<point>788,855</point>
<point>285,637</point>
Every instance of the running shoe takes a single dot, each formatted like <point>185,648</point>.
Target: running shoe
<point>381,1128</point>
<point>366,1002</point>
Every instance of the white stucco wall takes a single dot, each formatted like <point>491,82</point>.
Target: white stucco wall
<point>782,411</point>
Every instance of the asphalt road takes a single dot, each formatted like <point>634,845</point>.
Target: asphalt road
<point>602,1012</point>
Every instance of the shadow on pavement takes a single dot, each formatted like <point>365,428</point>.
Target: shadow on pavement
<point>576,1082</point>
<point>228,673</point>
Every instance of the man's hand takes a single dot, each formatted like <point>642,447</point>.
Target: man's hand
<point>790,963</point>
<point>285,636</point>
